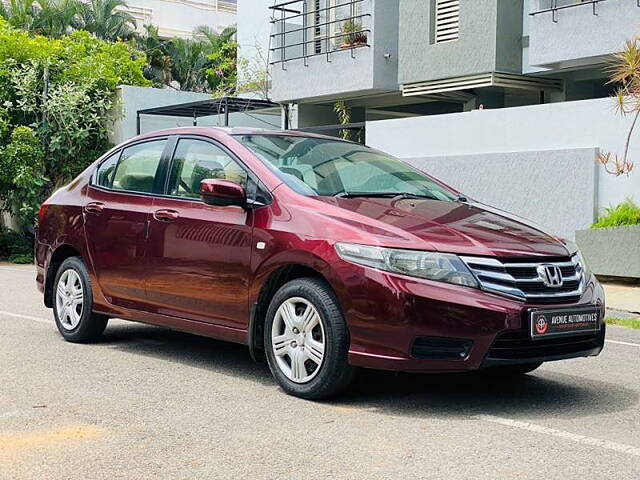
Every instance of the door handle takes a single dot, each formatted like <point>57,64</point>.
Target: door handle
<point>166,215</point>
<point>94,207</point>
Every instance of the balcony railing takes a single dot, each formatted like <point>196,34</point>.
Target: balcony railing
<point>308,28</point>
<point>553,6</point>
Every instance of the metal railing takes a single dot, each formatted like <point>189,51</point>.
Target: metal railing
<point>308,28</point>
<point>556,5</point>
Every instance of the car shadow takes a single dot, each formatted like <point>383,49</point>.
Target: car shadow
<point>542,394</point>
<point>185,349</point>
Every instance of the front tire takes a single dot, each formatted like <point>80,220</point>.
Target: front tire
<point>306,340</point>
<point>73,303</point>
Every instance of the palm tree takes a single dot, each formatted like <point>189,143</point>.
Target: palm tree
<point>159,61</point>
<point>19,13</point>
<point>222,52</point>
<point>52,18</point>
<point>624,72</point>
<point>106,20</point>
<point>56,18</point>
<point>193,60</point>
<point>189,62</point>
<point>213,38</point>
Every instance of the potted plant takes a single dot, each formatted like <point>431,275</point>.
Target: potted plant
<point>353,35</point>
<point>612,245</point>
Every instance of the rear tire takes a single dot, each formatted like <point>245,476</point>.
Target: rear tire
<point>306,340</point>
<point>512,370</point>
<point>73,303</point>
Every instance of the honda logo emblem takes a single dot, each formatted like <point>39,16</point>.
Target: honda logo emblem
<point>551,275</point>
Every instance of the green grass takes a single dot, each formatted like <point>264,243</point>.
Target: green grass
<point>627,213</point>
<point>624,322</point>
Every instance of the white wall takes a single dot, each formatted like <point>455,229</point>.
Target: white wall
<point>254,28</point>
<point>131,99</point>
<point>557,126</point>
<point>553,188</point>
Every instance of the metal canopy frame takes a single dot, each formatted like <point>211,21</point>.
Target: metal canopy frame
<point>207,108</point>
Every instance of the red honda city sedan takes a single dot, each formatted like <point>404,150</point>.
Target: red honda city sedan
<point>320,254</point>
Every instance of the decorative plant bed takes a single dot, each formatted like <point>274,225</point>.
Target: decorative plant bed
<point>354,44</point>
<point>611,251</point>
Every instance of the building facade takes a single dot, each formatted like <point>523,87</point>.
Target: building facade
<point>179,18</point>
<point>467,89</point>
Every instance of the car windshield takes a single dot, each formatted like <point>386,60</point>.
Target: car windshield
<point>319,166</point>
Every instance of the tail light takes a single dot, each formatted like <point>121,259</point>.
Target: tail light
<point>42,213</point>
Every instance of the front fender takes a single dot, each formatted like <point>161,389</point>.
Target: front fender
<point>319,258</point>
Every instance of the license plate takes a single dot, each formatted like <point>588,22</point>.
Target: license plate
<point>549,323</point>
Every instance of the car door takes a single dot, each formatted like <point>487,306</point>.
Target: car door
<point>199,255</point>
<point>117,213</point>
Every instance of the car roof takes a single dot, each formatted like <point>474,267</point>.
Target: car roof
<point>234,131</point>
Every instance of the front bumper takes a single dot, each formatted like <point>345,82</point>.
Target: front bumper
<point>390,316</point>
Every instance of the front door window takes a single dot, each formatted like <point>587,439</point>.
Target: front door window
<point>197,160</point>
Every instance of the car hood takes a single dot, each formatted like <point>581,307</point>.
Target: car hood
<point>465,228</point>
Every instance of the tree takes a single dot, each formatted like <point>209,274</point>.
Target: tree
<point>253,74</point>
<point>204,63</point>
<point>107,20</point>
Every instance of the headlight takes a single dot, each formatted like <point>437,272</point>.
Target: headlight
<point>442,267</point>
<point>586,273</point>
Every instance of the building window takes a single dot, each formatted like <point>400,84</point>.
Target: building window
<point>318,20</point>
<point>447,20</point>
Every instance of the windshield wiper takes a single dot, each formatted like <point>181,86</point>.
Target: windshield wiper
<point>393,195</point>
<point>364,194</point>
<point>402,196</point>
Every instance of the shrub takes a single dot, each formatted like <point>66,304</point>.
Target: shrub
<point>15,245</point>
<point>64,89</point>
<point>627,213</point>
<point>22,175</point>
<point>352,33</point>
<point>23,259</point>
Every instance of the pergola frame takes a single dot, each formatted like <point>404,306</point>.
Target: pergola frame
<point>207,108</point>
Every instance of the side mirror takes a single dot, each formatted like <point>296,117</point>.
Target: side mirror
<point>222,192</point>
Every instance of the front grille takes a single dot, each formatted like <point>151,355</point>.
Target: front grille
<point>519,278</point>
<point>441,348</point>
<point>518,345</point>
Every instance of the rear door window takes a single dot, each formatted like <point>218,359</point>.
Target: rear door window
<point>104,175</point>
<point>138,166</point>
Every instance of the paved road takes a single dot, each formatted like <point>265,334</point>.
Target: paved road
<point>150,403</point>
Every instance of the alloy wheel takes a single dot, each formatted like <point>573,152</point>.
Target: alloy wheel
<point>298,339</point>
<point>69,299</point>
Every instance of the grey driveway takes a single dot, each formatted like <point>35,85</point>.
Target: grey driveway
<point>147,402</point>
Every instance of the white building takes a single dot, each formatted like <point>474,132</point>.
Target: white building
<point>179,18</point>
<point>506,100</point>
